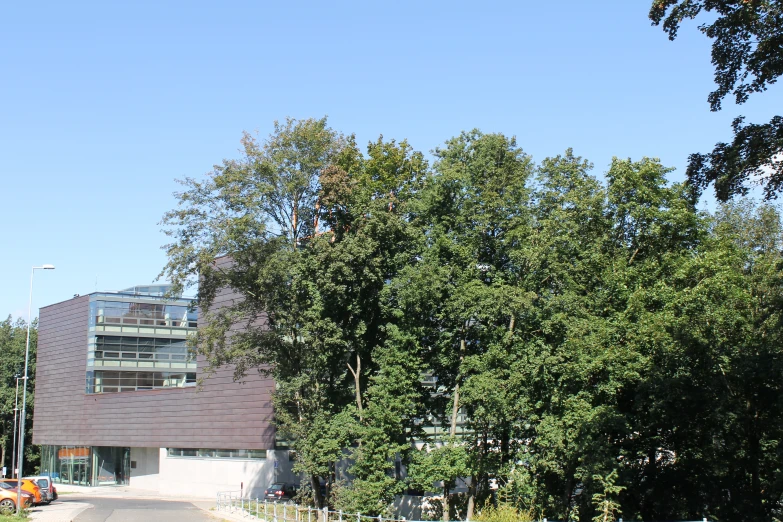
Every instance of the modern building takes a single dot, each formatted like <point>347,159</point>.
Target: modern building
<point>119,400</point>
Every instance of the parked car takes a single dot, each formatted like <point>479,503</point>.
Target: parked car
<point>8,496</point>
<point>48,492</point>
<point>28,486</point>
<point>280,491</point>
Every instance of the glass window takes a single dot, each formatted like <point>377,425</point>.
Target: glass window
<point>217,453</point>
<point>108,382</point>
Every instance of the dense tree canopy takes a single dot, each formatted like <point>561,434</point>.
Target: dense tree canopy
<point>747,52</point>
<point>13,337</point>
<point>592,347</point>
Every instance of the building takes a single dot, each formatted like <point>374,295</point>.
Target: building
<point>118,401</point>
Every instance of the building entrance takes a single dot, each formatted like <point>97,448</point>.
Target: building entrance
<point>86,465</point>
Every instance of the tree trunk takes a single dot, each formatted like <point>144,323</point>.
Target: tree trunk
<point>315,484</point>
<point>454,412</point>
<point>754,454</point>
<point>569,486</point>
<point>650,477</point>
<point>317,215</point>
<point>471,497</point>
<point>294,223</point>
<point>446,509</point>
<point>357,383</point>
<point>455,408</point>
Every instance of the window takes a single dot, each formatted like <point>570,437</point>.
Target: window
<point>134,313</point>
<point>140,352</point>
<point>113,382</point>
<point>217,453</point>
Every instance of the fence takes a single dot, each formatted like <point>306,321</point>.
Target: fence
<point>278,511</point>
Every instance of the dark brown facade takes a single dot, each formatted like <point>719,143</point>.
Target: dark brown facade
<point>221,414</point>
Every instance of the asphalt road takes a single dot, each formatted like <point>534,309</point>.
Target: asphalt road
<point>141,510</point>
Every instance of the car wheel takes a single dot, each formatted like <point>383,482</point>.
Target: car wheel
<point>7,506</point>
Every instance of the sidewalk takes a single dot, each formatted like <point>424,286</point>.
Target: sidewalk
<point>209,507</point>
<point>59,511</point>
<point>65,490</point>
<point>75,499</point>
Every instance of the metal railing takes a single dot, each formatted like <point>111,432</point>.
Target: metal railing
<point>281,511</point>
<point>286,511</point>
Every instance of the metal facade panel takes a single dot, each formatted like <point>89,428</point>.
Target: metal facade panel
<point>222,414</point>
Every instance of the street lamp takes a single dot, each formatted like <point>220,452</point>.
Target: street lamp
<point>19,458</point>
<point>16,409</point>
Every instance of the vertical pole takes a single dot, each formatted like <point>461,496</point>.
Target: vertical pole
<point>20,457</point>
<point>340,515</point>
<point>16,410</point>
<point>326,514</point>
<point>274,504</point>
<point>284,514</point>
<point>256,507</point>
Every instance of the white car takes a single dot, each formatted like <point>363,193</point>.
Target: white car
<point>45,484</point>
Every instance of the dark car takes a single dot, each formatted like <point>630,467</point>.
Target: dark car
<point>280,491</point>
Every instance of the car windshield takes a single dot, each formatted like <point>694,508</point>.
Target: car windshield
<point>275,487</point>
<point>43,483</point>
<point>5,485</point>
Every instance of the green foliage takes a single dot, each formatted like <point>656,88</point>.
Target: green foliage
<point>584,334</point>
<point>503,513</point>
<point>748,57</point>
<point>13,337</point>
<point>604,501</point>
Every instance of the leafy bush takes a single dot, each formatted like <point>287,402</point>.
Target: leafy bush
<point>503,513</point>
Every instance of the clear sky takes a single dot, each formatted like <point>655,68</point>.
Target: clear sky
<point>103,105</point>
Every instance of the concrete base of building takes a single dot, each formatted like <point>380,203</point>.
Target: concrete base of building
<point>154,471</point>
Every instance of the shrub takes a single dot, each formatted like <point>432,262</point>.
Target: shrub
<point>503,513</point>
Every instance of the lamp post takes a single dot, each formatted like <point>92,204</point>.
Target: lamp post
<point>20,456</point>
<point>16,409</point>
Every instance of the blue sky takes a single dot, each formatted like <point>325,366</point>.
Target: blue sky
<point>103,105</point>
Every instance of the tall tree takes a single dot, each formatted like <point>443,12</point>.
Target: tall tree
<point>727,324</point>
<point>747,52</point>
<point>313,230</point>
<point>472,211</point>
<point>13,337</point>
<point>258,210</point>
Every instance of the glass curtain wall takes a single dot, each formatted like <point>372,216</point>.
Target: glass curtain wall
<point>85,465</point>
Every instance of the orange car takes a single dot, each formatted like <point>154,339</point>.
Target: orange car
<point>28,486</point>
<point>8,498</point>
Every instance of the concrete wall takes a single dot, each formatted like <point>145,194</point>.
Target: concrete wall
<point>204,477</point>
<point>146,474</point>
